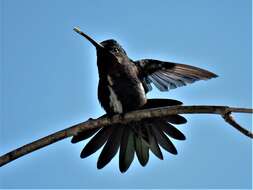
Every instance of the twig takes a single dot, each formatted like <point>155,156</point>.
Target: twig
<point>228,118</point>
<point>139,115</point>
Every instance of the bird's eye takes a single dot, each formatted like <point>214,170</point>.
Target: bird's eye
<point>116,50</point>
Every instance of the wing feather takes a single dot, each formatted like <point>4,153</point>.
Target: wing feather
<point>169,75</point>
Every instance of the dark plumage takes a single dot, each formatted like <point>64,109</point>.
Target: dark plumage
<point>123,84</point>
<point>96,142</point>
<point>127,148</point>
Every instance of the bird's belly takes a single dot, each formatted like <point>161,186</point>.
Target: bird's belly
<point>121,96</point>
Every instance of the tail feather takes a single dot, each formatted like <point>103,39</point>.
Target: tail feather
<point>136,137</point>
<point>153,144</point>
<point>164,141</point>
<point>176,119</point>
<point>111,147</point>
<point>154,103</point>
<point>127,148</point>
<point>84,135</point>
<point>96,142</point>
<point>142,150</point>
<point>171,131</point>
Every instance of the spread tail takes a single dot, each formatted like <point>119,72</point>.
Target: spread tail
<point>135,137</point>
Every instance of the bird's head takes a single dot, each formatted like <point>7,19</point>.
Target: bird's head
<point>108,46</point>
<point>114,47</point>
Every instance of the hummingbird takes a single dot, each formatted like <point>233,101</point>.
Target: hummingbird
<point>123,85</point>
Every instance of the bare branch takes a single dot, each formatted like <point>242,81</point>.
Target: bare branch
<point>139,115</point>
<point>228,118</point>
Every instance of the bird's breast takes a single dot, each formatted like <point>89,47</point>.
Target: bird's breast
<point>119,93</point>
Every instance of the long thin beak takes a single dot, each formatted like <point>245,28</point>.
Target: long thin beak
<point>96,44</point>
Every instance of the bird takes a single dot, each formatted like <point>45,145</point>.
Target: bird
<point>123,87</point>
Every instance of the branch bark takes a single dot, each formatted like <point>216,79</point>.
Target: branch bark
<point>138,115</point>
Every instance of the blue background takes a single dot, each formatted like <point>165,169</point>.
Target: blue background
<point>49,80</point>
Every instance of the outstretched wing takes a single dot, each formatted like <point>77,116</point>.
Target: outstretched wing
<point>168,75</point>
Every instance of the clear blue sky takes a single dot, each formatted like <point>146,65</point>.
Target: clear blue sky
<point>49,80</point>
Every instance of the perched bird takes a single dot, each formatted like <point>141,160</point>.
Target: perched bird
<point>123,85</point>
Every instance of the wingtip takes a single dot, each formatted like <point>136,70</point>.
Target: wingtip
<point>212,75</point>
<point>215,75</point>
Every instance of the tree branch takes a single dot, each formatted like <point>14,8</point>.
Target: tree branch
<point>138,115</point>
